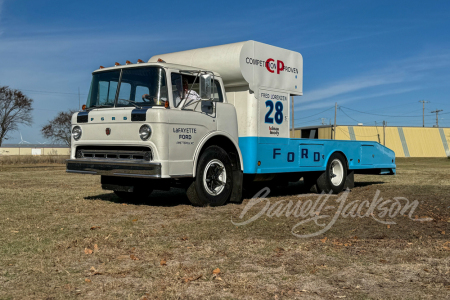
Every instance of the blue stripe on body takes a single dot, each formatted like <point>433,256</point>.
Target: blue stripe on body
<point>281,155</point>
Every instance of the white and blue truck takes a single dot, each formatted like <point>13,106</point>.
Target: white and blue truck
<point>213,120</point>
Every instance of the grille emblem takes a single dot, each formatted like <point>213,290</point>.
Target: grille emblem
<point>108,131</point>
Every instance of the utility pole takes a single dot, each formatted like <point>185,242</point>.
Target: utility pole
<point>292,108</point>
<point>437,111</point>
<point>79,101</point>
<point>335,113</point>
<point>378,134</point>
<point>423,111</point>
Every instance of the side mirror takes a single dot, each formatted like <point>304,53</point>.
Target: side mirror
<point>205,86</point>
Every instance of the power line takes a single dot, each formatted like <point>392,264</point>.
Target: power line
<point>410,111</point>
<point>384,108</point>
<point>315,114</point>
<point>33,108</point>
<point>50,92</point>
<point>310,121</point>
<point>362,112</point>
<point>440,102</point>
<point>437,111</point>
<point>348,115</point>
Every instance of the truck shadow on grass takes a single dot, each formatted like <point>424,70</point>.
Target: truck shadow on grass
<point>171,198</point>
<point>176,196</point>
<point>297,188</point>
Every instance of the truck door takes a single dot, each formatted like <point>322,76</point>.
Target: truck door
<point>188,125</point>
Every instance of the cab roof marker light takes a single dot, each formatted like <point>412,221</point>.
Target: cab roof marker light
<point>102,67</point>
<point>140,61</point>
<point>116,64</point>
<point>128,62</point>
<point>160,60</point>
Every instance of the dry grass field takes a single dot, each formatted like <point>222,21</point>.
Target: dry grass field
<point>32,160</point>
<point>63,237</point>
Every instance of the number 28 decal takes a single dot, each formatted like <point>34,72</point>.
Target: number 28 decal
<point>278,112</point>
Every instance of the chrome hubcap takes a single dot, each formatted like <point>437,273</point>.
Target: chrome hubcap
<point>336,172</point>
<point>214,177</point>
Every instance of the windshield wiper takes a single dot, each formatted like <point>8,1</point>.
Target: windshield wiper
<point>132,103</point>
<point>99,106</point>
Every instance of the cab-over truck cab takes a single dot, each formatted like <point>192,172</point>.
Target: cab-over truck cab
<point>206,119</point>
<point>141,130</point>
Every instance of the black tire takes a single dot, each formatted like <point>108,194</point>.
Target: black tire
<point>214,160</point>
<point>138,195</point>
<point>326,182</point>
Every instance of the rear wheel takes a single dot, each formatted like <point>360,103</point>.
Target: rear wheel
<point>335,175</point>
<point>213,183</point>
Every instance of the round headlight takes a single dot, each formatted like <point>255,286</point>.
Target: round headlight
<point>145,132</point>
<point>76,133</point>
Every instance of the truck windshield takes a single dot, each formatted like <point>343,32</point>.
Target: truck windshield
<point>137,87</point>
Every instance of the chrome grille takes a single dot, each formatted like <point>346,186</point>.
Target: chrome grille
<point>115,153</point>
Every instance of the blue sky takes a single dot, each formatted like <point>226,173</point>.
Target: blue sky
<point>378,57</point>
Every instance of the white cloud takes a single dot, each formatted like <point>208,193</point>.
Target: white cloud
<point>347,86</point>
<point>343,100</point>
<point>413,69</point>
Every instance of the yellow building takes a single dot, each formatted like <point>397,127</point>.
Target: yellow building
<point>404,141</point>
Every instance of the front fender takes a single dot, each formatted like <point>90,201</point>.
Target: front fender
<point>205,139</point>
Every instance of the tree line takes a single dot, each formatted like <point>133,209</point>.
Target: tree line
<point>16,109</point>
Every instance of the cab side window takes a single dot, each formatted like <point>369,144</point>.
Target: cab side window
<point>177,86</point>
<point>216,92</point>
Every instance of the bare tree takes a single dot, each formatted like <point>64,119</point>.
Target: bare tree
<point>15,110</point>
<point>58,130</point>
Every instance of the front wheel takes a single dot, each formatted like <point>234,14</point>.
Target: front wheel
<point>213,183</point>
<point>335,175</point>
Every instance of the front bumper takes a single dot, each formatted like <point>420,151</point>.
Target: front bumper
<point>114,168</point>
